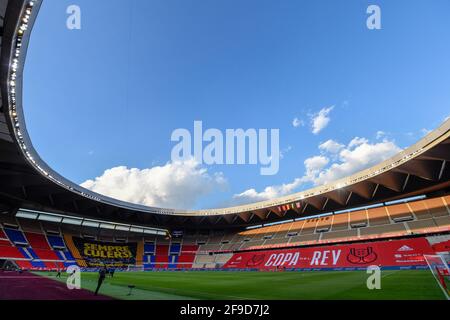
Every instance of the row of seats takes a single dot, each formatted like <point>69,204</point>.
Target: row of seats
<point>30,248</point>
<point>172,256</point>
<point>208,261</point>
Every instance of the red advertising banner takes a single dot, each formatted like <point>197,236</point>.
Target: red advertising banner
<point>386,253</point>
<point>442,246</point>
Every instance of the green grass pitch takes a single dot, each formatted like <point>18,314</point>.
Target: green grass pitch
<point>166,285</point>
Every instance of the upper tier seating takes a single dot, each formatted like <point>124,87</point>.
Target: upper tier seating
<point>340,222</point>
<point>56,242</point>
<point>4,241</point>
<point>401,219</point>
<point>378,216</point>
<point>149,248</point>
<point>30,249</point>
<point>437,207</point>
<point>16,236</point>
<point>400,212</point>
<point>172,255</point>
<point>10,252</point>
<point>37,241</point>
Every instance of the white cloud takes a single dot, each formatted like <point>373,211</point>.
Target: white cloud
<point>297,123</point>
<point>380,134</point>
<point>357,141</point>
<point>174,185</point>
<point>357,155</point>
<point>425,131</point>
<point>331,146</point>
<point>251,195</point>
<point>320,120</point>
<point>315,164</point>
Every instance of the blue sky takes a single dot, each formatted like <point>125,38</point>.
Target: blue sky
<point>108,96</point>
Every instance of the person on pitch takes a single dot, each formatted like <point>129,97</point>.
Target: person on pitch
<point>101,277</point>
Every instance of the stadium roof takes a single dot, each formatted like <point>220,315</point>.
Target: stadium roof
<point>27,181</point>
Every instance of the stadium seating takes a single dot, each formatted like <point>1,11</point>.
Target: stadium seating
<point>175,255</point>
<point>187,256</point>
<point>10,252</point>
<point>31,249</point>
<point>149,248</point>
<point>3,239</point>
<point>174,248</point>
<point>56,241</point>
<point>378,216</point>
<point>400,212</point>
<point>16,236</point>
<point>436,207</point>
<point>37,241</point>
<point>162,256</point>
<point>340,235</point>
<point>419,210</point>
<point>45,246</point>
<point>340,222</point>
<point>358,219</point>
<point>396,220</point>
<point>24,264</point>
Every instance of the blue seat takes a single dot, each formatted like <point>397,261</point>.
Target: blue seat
<point>60,255</point>
<point>37,264</point>
<point>175,248</point>
<point>149,248</point>
<point>173,261</point>
<point>56,241</point>
<point>16,236</point>
<point>69,255</point>
<point>149,261</point>
<point>68,264</point>
<point>25,253</point>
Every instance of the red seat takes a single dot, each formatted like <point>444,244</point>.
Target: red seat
<point>37,241</point>
<point>46,254</point>
<point>10,252</point>
<point>24,264</point>
<point>5,242</point>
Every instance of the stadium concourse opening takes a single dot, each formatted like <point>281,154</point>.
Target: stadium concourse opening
<point>317,244</point>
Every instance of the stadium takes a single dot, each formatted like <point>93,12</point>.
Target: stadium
<point>314,244</point>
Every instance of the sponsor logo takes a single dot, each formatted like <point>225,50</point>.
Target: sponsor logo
<point>405,248</point>
<point>361,256</point>
<point>236,261</point>
<point>256,260</point>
